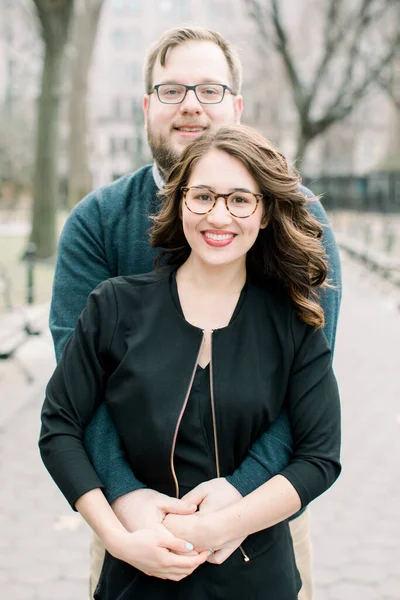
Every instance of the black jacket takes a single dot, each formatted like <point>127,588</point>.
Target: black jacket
<point>133,349</point>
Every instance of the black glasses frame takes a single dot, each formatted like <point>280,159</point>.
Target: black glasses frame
<point>185,190</point>
<point>194,88</point>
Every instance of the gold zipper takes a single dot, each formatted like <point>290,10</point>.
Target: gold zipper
<point>213,412</point>
<point>180,419</point>
<point>245,557</point>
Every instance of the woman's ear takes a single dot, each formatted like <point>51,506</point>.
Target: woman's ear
<point>264,222</point>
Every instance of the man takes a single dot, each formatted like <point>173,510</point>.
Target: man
<point>106,235</point>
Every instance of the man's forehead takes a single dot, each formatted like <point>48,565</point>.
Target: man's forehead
<point>193,62</point>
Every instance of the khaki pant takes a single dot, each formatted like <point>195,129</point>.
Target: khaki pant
<point>301,536</point>
<point>299,528</point>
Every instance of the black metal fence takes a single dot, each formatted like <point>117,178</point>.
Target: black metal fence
<point>376,192</point>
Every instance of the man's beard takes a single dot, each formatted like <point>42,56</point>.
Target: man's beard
<point>163,153</point>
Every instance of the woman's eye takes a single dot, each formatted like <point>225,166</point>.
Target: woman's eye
<point>240,200</point>
<point>204,198</point>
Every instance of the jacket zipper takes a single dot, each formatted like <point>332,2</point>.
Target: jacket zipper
<point>245,557</point>
<point>180,419</point>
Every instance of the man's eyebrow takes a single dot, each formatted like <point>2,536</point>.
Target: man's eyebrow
<point>174,82</point>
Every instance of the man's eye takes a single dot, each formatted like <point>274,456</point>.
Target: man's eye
<point>171,92</point>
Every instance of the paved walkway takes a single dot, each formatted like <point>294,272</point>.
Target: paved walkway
<point>356,525</point>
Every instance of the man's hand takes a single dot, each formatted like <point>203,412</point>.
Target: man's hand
<point>146,509</point>
<point>211,496</point>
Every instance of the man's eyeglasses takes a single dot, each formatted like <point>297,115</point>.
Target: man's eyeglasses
<point>200,201</point>
<point>206,93</point>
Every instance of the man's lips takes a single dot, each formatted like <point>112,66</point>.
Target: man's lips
<point>218,238</point>
<point>190,130</point>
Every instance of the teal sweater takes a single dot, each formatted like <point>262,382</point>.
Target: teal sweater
<point>107,235</point>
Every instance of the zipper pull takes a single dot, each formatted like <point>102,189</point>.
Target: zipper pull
<point>245,557</point>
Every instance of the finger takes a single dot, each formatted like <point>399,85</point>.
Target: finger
<point>178,563</point>
<point>174,544</point>
<point>179,507</point>
<point>196,496</point>
<point>219,556</point>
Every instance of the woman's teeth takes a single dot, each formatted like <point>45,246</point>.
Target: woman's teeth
<point>218,237</point>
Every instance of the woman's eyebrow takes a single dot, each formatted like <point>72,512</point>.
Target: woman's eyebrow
<point>211,189</point>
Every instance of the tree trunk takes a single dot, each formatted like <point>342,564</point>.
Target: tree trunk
<point>45,187</point>
<point>79,176</point>
<point>302,145</point>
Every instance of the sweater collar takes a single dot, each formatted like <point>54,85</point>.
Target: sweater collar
<point>158,178</point>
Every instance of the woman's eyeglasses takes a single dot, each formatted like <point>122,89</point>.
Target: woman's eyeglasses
<point>200,200</point>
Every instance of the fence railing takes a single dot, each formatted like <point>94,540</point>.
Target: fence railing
<point>365,215</point>
<point>376,192</point>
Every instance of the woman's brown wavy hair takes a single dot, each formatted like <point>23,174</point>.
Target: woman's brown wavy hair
<point>289,249</point>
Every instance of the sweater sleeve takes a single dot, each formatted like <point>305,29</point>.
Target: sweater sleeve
<point>314,412</point>
<point>272,452</point>
<point>73,394</point>
<point>81,265</point>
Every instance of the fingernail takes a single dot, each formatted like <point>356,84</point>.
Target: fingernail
<point>193,506</point>
<point>189,546</point>
<point>209,552</point>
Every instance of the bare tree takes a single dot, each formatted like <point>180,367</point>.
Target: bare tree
<point>20,53</point>
<point>390,84</point>
<point>54,17</point>
<point>346,69</point>
<point>84,37</point>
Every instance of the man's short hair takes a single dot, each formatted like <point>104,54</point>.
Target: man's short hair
<point>176,37</point>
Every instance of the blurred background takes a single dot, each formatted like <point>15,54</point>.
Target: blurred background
<point>322,81</point>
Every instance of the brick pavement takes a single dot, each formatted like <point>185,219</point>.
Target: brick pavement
<point>356,526</point>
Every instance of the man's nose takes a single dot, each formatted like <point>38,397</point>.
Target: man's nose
<point>219,215</point>
<point>191,103</point>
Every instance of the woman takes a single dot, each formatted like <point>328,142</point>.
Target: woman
<point>195,361</point>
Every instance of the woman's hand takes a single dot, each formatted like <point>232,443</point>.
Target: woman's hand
<point>197,529</point>
<point>156,552</point>
<point>211,496</point>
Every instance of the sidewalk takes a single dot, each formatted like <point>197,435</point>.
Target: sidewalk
<point>356,525</point>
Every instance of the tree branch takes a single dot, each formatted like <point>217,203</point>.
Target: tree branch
<point>282,46</point>
<point>341,110</point>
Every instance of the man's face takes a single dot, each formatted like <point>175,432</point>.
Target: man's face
<point>171,127</point>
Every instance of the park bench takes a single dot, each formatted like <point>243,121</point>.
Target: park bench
<point>18,325</point>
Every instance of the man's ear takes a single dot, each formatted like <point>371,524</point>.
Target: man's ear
<point>145,106</point>
<point>238,108</point>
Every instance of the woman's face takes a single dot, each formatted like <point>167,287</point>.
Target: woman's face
<point>218,238</point>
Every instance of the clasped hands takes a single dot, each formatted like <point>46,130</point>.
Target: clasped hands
<point>170,538</point>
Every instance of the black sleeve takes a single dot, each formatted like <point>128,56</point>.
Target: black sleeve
<point>314,412</point>
<point>73,394</point>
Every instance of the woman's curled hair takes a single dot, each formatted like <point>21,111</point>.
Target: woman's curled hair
<point>289,249</point>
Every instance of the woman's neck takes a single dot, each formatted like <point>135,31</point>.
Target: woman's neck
<point>227,279</point>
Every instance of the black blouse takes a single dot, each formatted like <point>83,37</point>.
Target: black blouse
<point>194,457</point>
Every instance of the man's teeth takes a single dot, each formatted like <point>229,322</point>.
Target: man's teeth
<point>190,129</point>
<point>218,237</point>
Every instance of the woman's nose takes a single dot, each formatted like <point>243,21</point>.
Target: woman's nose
<point>219,214</point>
